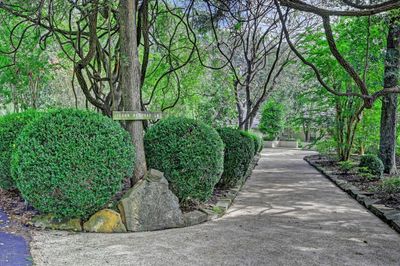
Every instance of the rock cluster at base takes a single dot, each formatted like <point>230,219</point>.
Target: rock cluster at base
<point>150,205</point>
<point>105,221</point>
<point>49,221</point>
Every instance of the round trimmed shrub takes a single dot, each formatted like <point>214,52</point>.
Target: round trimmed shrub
<point>250,136</point>
<point>373,164</point>
<point>10,128</point>
<point>238,155</point>
<point>261,142</point>
<point>71,162</point>
<point>258,142</point>
<point>190,153</point>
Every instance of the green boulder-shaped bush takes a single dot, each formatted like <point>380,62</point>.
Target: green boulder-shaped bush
<point>373,164</point>
<point>190,153</point>
<point>10,128</point>
<point>238,155</point>
<point>261,144</point>
<point>71,162</point>
<point>272,120</point>
<point>258,142</point>
<point>253,140</point>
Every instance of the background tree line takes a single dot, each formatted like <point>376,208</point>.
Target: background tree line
<point>213,60</point>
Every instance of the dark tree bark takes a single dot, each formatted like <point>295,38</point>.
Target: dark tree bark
<point>387,148</point>
<point>130,81</point>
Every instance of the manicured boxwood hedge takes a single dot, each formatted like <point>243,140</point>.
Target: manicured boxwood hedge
<point>190,153</point>
<point>373,164</point>
<point>10,128</point>
<point>238,155</point>
<point>258,142</point>
<point>71,162</point>
<point>251,138</point>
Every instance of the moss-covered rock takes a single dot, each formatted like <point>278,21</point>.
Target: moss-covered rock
<point>49,221</point>
<point>105,221</point>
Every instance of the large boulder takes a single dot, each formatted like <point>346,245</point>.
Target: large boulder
<point>105,221</point>
<point>150,205</point>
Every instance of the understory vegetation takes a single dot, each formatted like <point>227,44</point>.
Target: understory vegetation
<point>200,84</point>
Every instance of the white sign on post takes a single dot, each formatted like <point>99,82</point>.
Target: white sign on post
<point>136,115</point>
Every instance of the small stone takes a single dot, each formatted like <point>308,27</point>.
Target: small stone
<point>195,217</point>
<point>49,221</point>
<point>105,221</point>
<point>211,214</point>
<point>368,202</point>
<point>156,173</point>
<point>361,198</point>
<point>379,209</point>
<point>354,191</point>
<point>224,204</point>
<point>396,225</point>
<point>150,205</point>
<point>393,215</point>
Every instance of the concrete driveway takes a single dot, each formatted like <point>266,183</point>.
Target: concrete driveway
<point>287,214</point>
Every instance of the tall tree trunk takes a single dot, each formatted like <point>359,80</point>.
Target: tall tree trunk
<point>238,105</point>
<point>130,81</point>
<point>387,147</point>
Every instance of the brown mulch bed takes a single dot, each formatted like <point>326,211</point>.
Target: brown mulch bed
<point>371,187</point>
<point>18,212</point>
<point>16,208</point>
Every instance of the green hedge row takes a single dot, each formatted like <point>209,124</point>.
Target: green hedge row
<point>239,150</point>
<point>196,158</point>
<point>72,162</point>
<point>189,153</point>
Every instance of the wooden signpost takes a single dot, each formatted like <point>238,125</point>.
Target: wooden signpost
<point>136,115</point>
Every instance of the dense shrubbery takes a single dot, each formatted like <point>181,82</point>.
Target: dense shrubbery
<point>346,166</point>
<point>258,143</point>
<point>71,162</point>
<point>190,153</point>
<point>250,138</point>
<point>391,185</point>
<point>261,141</point>
<point>238,155</point>
<point>10,127</point>
<point>272,119</point>
<point>256,140</point>
<point>373,164</point>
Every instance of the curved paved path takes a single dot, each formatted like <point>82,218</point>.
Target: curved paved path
<point>287,214</point>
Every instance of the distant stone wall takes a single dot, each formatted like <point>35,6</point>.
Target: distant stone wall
<point>281,144</point>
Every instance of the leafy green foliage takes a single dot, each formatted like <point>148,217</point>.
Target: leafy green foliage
<point>71,162</point>
<point>346,166</point>
<point>272,119</point>
<point>348,110</point>
<point>258,142</point>
<point>326,146</point>
<point>365,173</point>
<point>373,163</point>
<point>24,83</point>
<point>237,158</point>
<point>261,143</point>
<point>190,153</point>
<point>250,136</point>
<point>391,185</point>
<point>10,128</point>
